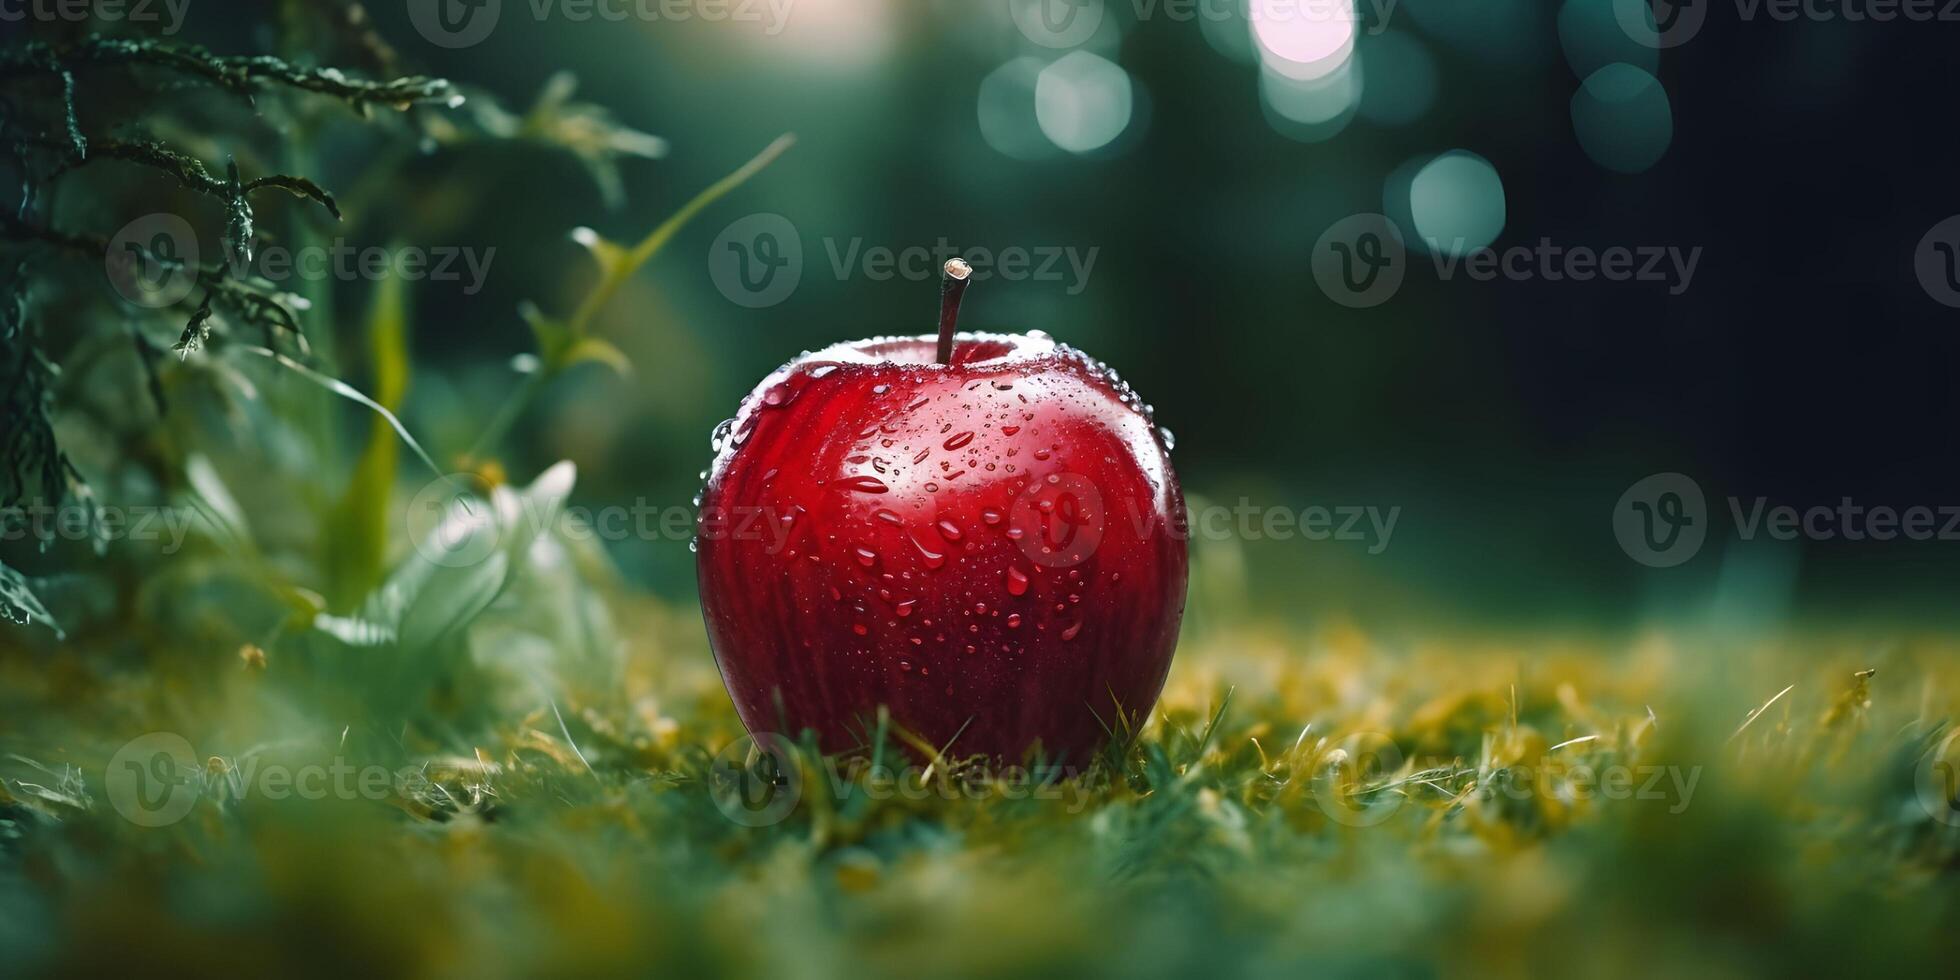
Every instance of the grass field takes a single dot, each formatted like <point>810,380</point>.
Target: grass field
<point>1321,800</point>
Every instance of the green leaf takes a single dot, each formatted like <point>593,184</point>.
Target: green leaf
<point>551,333</point>
<point>358,545</point>
<point>215,503</point>
<point>464,563</point>
<point>349,392</point>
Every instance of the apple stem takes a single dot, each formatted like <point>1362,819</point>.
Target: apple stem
<point>958,275</point>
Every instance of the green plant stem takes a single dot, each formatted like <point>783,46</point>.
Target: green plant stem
<point>613,276</point>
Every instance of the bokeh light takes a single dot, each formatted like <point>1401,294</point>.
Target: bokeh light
<point>1311,110</point>
<point>1083,101</point>
<point>1456,203</point>
<point>846,36</point>
<point>1395,199</point>
<point>1227,27</point>
<point>1622,117</point>
<point>1303,39</point>
<point>1400,79</point>
<point>1007,111</point>
<point>1592,38</point>
<point>1055,26</point>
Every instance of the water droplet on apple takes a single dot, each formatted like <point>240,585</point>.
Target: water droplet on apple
<point>932,559</point>
<point>958,440</point>
<point>1071,632</point>
<point>780,394</point>
<point>866,556</point>
<point>862,484</point>
<point>949,530</point>
<point>719,438</point>
<point>1017,582</point>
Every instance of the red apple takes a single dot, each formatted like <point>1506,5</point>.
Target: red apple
<point>982,533</point>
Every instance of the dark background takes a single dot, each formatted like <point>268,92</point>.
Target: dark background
<point>1805,363</point>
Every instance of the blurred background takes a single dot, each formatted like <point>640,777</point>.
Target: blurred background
<point>1331,241</point>
<point>1200,161</point>
<point>1169,169</point>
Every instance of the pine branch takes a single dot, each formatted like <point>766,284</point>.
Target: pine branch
<point>245,75</point>
<point>188,171</point>
<point>251,303</point>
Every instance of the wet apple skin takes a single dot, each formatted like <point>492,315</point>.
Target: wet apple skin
<point>1019,588</point>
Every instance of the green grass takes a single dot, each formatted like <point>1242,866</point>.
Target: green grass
<point>575,831</point>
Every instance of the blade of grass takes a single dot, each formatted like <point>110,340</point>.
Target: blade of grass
<point>349,392</point>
